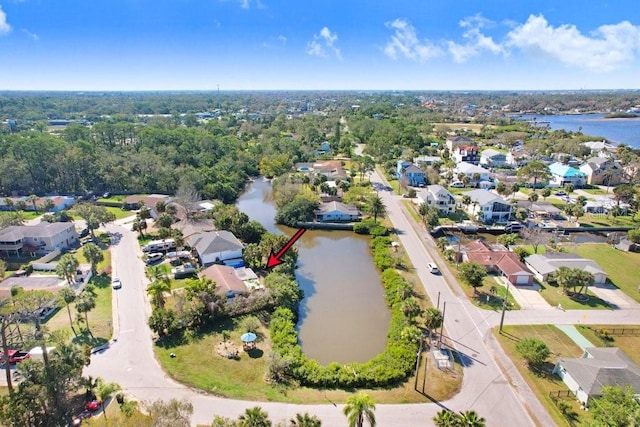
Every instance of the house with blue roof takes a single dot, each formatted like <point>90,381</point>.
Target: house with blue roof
<point>562,175</point>
<point>412,173</point>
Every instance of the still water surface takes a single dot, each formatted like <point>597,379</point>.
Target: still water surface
<point>625,131</point>
<point>343,317</point>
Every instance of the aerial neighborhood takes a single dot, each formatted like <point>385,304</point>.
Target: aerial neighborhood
<point>295,247</point>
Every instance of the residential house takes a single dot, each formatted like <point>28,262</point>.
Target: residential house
<point>325,148</point>
<point>337,212</point>
<point>215,247</point>
<point>191,226</point>
<point>332,169</point>
<point>517,158</point>
<point>413,175</point>
<point>602,205</point>
<point>466,153</point>
<point>540,209</point>
<point>600,148</point>
<point>544,265</point>
<point>59,203</point>
<point>603,171</point>
<point>457,141</point>
<point>227,281</point>
<point>497,259</point>
<point>488,207</point>
<point>493,158</point>
<point>136,201</point>
<point>427,160</point>
<point>38,239</point>
<point>598,367</point>
<point>627,245</point>
<point>439,197</point>
<point>470,171</point>
<point>562,175</point>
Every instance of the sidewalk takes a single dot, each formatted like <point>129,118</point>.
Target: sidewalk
<point>575,335</point>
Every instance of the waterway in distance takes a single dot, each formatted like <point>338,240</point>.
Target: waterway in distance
<point>343,317</point>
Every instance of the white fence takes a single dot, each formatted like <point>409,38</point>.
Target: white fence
<point>43,263</point>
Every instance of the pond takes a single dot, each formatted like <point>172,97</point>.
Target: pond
<point>343,317</point>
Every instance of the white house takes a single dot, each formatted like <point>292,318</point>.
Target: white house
<point>493,158</point>
<point>439,197</point>
<point>337,212</point>
<point>470,171</point>
<point>488,207</point>
<point>216,246</point>
<point>598,367</point>
<point>543,265</point>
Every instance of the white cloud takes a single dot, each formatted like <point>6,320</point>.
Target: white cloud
<point>607,48</point>
<point>323,44</point>
<point>476,41</point>
<point>31,35</point>
<point>5,28</point>
<point>246,4</point>
<point>282,39</point>
<point>404,42</point>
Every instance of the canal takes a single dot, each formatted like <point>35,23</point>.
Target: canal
<point>343,316</point>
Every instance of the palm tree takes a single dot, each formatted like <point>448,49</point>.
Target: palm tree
<point>445,418</point>
<point>305,420</point>
<point>68,296</point>
<point>139,225</point>
<point>32,199</point>
<point>471,419</point>
<point>254,417</point>
<point>376,207</point>
<point>94,255</point>
<point>432,319</point>
<point>105,390</point>
<point>85,302</point>
<point>442,243</point>
<point>156,291</point>
<point>48,205</point>
<point>67,267</point>
<point>466,200</point>
<point>360,406</point>
<point>563,276</point>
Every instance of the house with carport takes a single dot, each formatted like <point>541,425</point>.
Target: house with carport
<point>544,265</point>
<point>598,367</point>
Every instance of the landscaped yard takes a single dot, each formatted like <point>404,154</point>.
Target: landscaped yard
<point>27,215</point>
<point>197,363</point>
<point>591,220</point>
<point>621,267</point>
<point>544,382</point>
<point>491,295</point>
<point>553,295</point>
<point>119,213</point>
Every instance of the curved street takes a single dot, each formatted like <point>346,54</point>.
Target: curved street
<point>492,386</point>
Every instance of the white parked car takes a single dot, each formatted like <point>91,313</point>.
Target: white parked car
<point>457,184</point>
<point>116,283</point>
<point>433,269</point>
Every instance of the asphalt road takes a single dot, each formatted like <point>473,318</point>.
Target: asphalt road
<point>492,385</point>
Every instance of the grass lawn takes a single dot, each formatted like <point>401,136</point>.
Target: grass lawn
<point>113,198</point>
<point>120,213</point>
<point>198,364</point>
<point>595,191</point>
<point>100,317</point>
<point>543,382</point>
<point>486,299</point>
<point>541,248</point>
<point>395,184</point>
<point>554,296</point>
<point>475,127</point>
<point>27,215</point>
<point>621,267</point>
<point>411,208</point>
<point>590,220</point>
<point>101,265</point>
<point>626,337</point>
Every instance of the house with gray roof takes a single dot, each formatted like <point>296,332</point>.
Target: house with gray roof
<point>598,367</point>
<point>488,207</point>
<point>603,171</point>
<point>38,239</point>
<point>543,265</point>
<point>337,212</point>
<point>439,197</point>
<point>470,170</point>
<point>216,247</point>
<point>493,158</point>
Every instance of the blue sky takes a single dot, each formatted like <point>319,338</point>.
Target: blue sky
<point>319,44</point>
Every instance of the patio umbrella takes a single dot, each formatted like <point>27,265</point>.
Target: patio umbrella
<point>248,337</point>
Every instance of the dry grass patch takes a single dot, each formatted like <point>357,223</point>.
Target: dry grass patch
<point>626,337</point>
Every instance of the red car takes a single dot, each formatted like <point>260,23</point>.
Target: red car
<point>15,356</point>
<point>92,406</point>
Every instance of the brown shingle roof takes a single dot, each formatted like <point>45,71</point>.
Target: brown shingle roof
<point>225,278</point>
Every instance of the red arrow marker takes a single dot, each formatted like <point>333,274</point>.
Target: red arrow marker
<point>275,259</point>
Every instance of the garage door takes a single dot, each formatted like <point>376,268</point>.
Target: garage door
<point>522,280</point>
